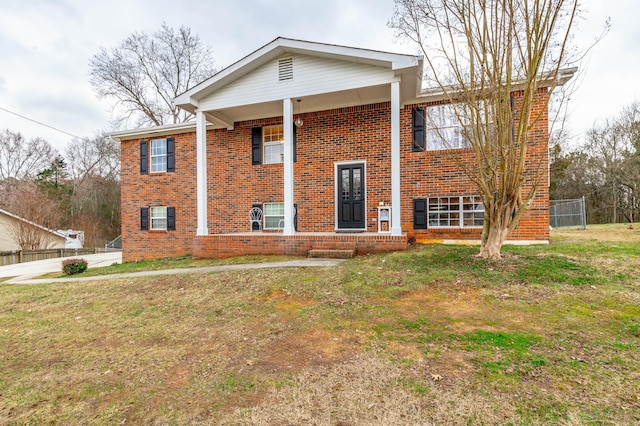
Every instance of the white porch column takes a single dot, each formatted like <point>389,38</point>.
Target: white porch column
<point>201,172</point>
<point>287,124</point>
<point>396,225</point>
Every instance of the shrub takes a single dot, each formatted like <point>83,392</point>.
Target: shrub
<point>74,266</point>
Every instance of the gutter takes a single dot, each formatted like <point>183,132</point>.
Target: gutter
<point>167,129</point>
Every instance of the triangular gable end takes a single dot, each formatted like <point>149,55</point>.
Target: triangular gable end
<point>290,76</point>
<point>312,68</point>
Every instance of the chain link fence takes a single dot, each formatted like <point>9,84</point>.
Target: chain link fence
<point>115,245</point>
<point>568,213</point>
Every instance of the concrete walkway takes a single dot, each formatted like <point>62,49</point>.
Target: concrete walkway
<point>39,267</point>
<point>30,277</point>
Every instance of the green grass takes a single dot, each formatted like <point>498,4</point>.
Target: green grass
<point>170,263</point>
<point>547,335</point>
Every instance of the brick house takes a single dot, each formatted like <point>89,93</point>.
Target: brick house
<point>331,144</point>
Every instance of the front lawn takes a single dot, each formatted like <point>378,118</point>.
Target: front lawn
<point>549,334</point>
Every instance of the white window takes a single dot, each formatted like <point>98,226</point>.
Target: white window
<point>444,129</point>
<point>273,144</point>
<point>273,215</point>
<point>158,218</point>
<point>455,212</point>
<point>158,155</point>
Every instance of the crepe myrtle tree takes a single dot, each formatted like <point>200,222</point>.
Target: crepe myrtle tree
<point>144,73</point>
<point>477,53</point>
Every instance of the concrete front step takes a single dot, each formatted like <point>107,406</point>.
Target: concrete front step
<point>332,253</point>
<point>333,249</point>
<point>334,245</point>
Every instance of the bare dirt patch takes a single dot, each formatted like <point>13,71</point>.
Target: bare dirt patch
<point>309,348</point>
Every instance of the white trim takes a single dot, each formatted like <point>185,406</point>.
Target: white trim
<point>287,129</point>
<point>396,221</point>
<point>220,118</point>
<point>149,132</point>
<point>434,94</point>
<point>201,173</point>
<point>336,164</point>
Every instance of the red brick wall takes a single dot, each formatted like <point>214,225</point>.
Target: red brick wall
<point>298,244</point>
<point>177,189</point>
<point>349,134</point>
<point>436,173</point>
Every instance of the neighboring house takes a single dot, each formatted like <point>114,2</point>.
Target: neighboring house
<point>13,227</point>
<point>326,140</point>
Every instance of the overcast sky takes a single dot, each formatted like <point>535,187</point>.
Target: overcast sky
<point>46,45</point>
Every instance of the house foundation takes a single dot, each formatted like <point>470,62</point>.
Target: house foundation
<point>299,244</point>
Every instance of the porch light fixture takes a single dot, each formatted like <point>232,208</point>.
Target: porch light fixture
<point>298,121</point>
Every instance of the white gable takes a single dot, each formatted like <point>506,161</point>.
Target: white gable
<point>312,75</point>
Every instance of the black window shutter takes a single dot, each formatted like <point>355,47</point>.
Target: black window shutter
<point>295,144</point>
<point>171,218</point>
<point>144,218</point>
<point>144,157</point>
<point>171,158</point>
<point>420,213</point>
<point>418,123</point>
<point>256,145</point>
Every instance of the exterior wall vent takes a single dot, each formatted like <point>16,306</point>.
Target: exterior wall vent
<point>285,69</point>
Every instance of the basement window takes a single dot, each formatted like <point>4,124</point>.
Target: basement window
<point>455,212</point>
<point>273,215</point>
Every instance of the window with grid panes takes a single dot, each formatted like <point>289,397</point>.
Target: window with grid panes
<point>158,218</point>
<point>273,215</point>
<point>444,130</point>
<point>273,144</point>
<point>455,212</point>
<point>158,155</point>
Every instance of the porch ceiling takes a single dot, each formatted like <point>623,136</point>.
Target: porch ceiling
<point>311,103</point>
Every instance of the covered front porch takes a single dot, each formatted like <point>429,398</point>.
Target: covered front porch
<point>299,244</point>
<point>322,93</point>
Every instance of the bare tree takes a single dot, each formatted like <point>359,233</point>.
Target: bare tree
<point>478,53</point>
<point>21,159</point>
<point>95,199</point>
<point>145,73</point>
<point>613,148</point>
<point>97,156</point>
<point>40,215</point>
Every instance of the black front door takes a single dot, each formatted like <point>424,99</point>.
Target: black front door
<point>351,206</point>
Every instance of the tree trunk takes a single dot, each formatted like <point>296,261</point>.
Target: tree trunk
<point>490,248</point>
<point>496,230</point>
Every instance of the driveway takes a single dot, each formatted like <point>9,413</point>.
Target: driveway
<point>39,267</point>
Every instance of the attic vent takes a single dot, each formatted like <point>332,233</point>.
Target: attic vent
<point>285,69</point>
